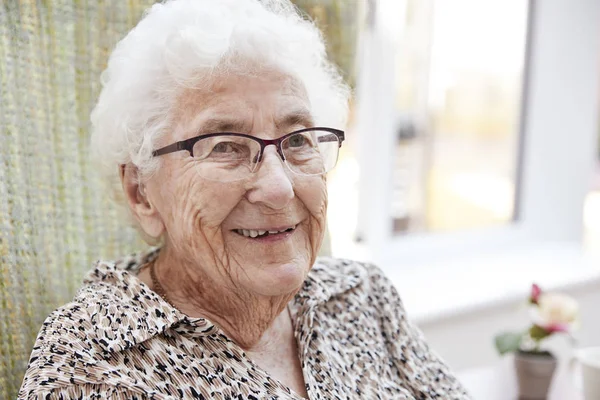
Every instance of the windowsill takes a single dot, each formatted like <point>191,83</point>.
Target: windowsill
<point>440,291</point>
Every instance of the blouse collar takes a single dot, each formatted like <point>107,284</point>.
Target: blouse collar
<point>112,292</point>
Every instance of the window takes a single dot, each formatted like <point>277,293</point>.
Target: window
<point>455,117</point>
<point>472,128</point>
<point>459,80</point>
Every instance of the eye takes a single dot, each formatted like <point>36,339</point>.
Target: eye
<point>224,147</point>
<point>228,150</point>
<point>297,141</point>
<point>221,148</point>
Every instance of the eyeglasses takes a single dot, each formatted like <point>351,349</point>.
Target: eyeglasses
<point>228,157</point>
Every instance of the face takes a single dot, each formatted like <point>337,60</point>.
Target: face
<point>204,220</point>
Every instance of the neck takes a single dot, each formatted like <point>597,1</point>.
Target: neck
<point>250,320</point>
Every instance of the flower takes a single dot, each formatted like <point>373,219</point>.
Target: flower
<point>535,293</point>
<point>550,313</point>
<point>556,312</point>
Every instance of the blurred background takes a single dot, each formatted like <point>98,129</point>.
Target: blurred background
<point>471,170</point>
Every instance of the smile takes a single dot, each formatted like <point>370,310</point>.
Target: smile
<point>259,233</point>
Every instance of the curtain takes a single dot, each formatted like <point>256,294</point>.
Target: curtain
<point>55,219</point>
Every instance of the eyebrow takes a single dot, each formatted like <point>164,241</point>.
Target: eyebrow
<point>216,125</point>
<point>298,117</point>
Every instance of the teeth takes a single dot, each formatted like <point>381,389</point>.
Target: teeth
<point>256,232</point>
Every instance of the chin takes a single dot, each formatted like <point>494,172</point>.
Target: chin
<point>280,280</point>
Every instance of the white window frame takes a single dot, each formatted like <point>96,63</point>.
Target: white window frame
<point>560,96</point>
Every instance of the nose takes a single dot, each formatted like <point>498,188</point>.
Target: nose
<point>271,185</point>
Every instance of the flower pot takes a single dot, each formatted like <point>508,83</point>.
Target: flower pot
<point>534,374</point>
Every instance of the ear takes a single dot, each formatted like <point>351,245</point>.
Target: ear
<point>140,204</point>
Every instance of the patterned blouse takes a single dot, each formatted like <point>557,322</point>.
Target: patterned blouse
<point>118,339</point>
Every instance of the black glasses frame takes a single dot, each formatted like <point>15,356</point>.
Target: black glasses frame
<point>188,144</point>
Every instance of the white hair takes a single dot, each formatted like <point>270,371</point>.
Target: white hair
<point>183,43</point>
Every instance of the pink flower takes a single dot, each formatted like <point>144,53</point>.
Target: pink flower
<point>535,294</point>
<point>556,328</point>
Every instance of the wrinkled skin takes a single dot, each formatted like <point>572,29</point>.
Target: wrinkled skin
<point>206,268</point>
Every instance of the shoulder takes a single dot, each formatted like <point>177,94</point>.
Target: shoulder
<point>60,348</point>
<point>64,331</point>
<point>66,342</point>
<point>111,312</point>
<point>344,272</point>
<point>338,271</point>
<point>340,276</point>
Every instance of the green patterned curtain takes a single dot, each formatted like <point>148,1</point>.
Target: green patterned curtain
<point>54,219</point>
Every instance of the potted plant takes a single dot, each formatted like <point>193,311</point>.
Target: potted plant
<point>551,313</point>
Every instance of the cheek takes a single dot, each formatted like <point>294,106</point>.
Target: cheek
<point>312,192</point>
<point>315,197</point>
<point>198,207</point>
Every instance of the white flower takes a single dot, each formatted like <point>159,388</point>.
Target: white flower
<point>556,312</point>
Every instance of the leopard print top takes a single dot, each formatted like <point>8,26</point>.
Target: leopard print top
<point>118,339</point>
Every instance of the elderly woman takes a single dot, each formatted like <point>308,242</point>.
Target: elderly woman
<point>218,120</point>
